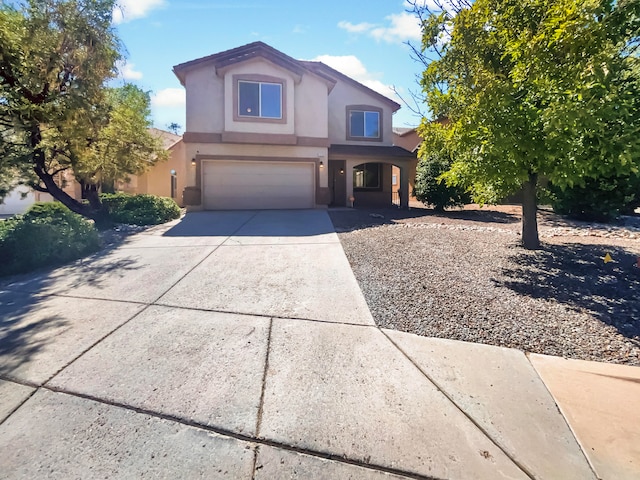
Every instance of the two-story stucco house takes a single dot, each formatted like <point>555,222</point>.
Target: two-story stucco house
<point>264,130</point>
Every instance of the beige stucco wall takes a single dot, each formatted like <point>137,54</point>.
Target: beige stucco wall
<point>345,94</point>
<point>210,107</point>
<point>157,180</point>
<point>205,100</point>
<point>312,108</point>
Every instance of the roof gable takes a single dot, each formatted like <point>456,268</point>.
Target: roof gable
<point>244,53</point>
<point>168,139</point>
<point>322,68</point>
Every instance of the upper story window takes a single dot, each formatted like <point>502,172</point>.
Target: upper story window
<point>364,123</point>
<point>259,98</point>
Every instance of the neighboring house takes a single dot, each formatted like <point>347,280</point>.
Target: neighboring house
<point>408,139</point>
<point>165,179</point>
<point>22,197</point>
<point>18,201</point>
<point>264,130</point>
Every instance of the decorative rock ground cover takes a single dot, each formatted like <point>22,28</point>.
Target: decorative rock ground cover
<point>462,275</point>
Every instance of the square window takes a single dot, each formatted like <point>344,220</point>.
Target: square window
<point>364,124</point>
<point>259,99</point>
<point>367,176</point>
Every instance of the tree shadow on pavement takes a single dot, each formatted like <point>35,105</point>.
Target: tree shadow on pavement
<point>576,275</point>
<point>21,338</point>
<point>24,330</point>
<point>85,271</point>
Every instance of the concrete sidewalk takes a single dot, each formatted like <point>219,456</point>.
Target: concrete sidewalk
<point>238,345</point>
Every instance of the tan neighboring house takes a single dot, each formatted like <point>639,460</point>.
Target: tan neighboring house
<point>408,139</point>
<point>167,178</point>
<point>266,131</point>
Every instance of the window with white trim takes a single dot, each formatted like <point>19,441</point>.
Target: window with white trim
<point>259,99</point>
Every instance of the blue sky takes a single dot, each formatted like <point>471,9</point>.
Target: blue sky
<point>363,39</point>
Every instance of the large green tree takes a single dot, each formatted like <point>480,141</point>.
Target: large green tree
<point>56,110</point>
<point>121,144</point>
<point>534,88</point>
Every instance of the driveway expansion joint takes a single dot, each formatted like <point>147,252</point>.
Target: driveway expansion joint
<point>562,415</point>
<point>201,261</point>
<point>241,437</point>
<point>258,315</point>
<point>264,380</point>
<point>94,344</point>
<point>17,407</point>
<point>498,444</point>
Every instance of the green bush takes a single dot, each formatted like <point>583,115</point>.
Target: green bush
<point>430,190</point>
<point>602,199</point>
<point>48,234</point>
<point>139,209</point>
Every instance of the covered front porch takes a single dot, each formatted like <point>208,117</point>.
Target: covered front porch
<point>371,176</point>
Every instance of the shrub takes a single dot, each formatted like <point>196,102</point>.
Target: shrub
<point>140,209</point>
<point>48,234</point>
<point>602,199</point>
<point>431,190</point>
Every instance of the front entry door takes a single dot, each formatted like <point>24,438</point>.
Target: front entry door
<point>337,183</point>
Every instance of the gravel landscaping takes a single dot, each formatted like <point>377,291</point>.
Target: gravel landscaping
<point>462,275</point>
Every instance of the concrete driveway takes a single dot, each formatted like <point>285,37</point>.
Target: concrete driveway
<point>238,345</point>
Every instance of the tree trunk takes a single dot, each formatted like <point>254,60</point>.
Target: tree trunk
<point>90,192</point>
<point>530,238</point>
<point>99,213</point>
<point>53,189</point>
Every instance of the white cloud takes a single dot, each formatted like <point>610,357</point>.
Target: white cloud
<point>403,26</point>
<point>169,97</point>
<point>127,10</point>
<point>127,71</point>
<point>351,66</point>
<point>356,28</point>
<point>400,27</point>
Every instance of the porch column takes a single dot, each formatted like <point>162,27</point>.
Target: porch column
<point>404,186</point>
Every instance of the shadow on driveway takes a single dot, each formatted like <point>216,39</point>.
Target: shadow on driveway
<point>245,223</point>
<point>21,339</point>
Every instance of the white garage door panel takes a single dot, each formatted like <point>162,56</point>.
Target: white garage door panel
<point>258,185</point>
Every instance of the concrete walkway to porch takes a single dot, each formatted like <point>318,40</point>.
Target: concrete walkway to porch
<point>238,345</point>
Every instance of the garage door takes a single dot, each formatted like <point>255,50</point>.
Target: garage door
<point>234,185</point>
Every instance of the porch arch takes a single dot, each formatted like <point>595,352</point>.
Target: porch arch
<point>386,156</point>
